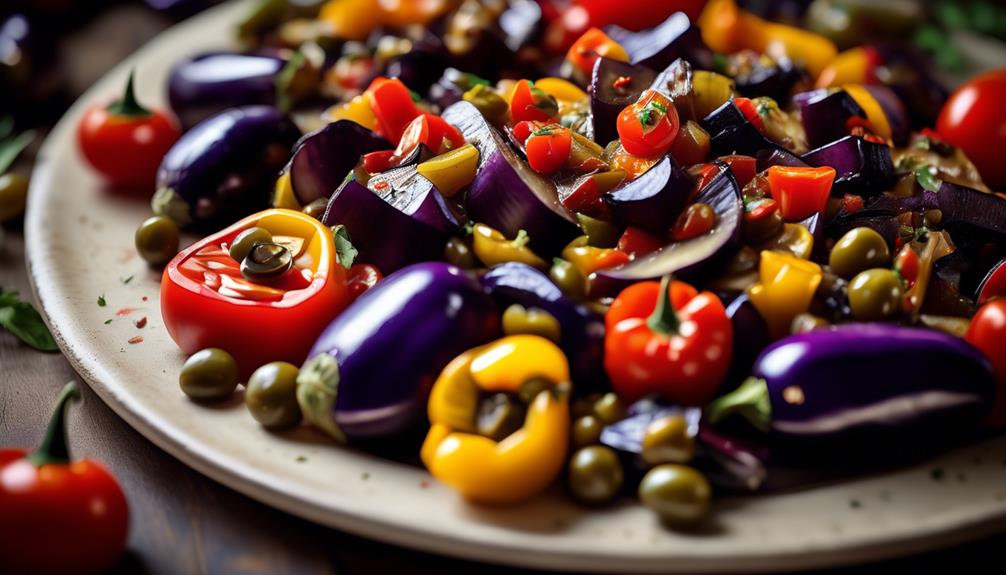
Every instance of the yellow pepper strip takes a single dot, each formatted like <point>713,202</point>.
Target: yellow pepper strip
<point>453,171</point>
<point>357,110</point>
<point>711,90</point>
<point>283,196</point>
<point>351,19</point>
<point>492,247</point>
<point>726,29</point>
<point>562,90</point>
<point>794,239</point>
<point>786,288</point>
<point>589,259</point>
<point>874,113</point>
<point>528,460</point>
<point>849,67</point>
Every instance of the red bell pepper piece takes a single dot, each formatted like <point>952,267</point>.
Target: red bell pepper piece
<point>58,515</point>
<point>393,107</point>
<point>206,302</point>
<point>801,192</point>
<point>744,167</point>
<point>548,148</point>
<point>667,339</point>
<point>636,242</point>
<point>532,103</point>
<point>433,132</point>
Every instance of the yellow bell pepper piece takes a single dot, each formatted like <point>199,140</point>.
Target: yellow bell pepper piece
<point>589,259</point>
<point>402,13</point>
<point>283,197</point>
<point>528,460</point>
<point>786,288</point>
<point>874,113</point>
<point>452,171</point>
<point>357,110</point>
<point>561,90</point>
<point>849,67</point>
<point>492,247</point>
<point>711,90</point>
<point>351,19</point>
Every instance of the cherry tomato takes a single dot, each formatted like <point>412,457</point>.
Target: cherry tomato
<point>531,103</point>
<point>360,278</point>
<point>994,284</point>
<point>648,127</point>
<point>636,242</point>
<point>592,45</point>
<point>521,130</point>
<point>987,332</point>
<point>432,131</point>
<point>974,119</point>
<point>548,149</point>
<point>126,142</point>
<point>393,106</point>
<point>696,220</point>
<point>906,263</point>
<point>852,203</point>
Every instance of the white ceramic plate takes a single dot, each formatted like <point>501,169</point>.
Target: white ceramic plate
<point>79,240</point>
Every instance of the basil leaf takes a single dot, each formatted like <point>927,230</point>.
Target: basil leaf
<point>21,319</point>
<point>345,251</point>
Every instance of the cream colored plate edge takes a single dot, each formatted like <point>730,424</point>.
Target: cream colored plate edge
<point>79,247</point>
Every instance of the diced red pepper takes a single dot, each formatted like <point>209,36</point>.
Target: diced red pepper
<point>852,203</point>
<point>432,131</point>
<point>380,161</point>
<point>801,192</point>
<point>744,167</point>
<point>393,106</point>
<point>532,103</point>
<point>548,149</point>
<point>747,107</point>
<point>637,243</point>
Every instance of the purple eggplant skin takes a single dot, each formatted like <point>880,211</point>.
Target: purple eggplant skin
<point>752,338</point>
<point>775,81</point>
<point>224,168</point>
<point>607,100</point>
<point>209,83</point>
<point>825,115</point>
<point>677,82</point>
<point>730,132</point>
<point>582,330</point>
<point>321,159</point>
<point>506,194</point>
<point>691,257</point>
<point>652,201</point>
<point>881,383</point>
<point>894,110</point>
<point>392,231</point>
<point>863,168</point>
<point>676,37</point>
<point>728,463</point>
<point>778,157</point>
<point>420,67</point>
<point>369,374</point>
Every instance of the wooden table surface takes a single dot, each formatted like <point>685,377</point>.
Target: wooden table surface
<point>182,522</point>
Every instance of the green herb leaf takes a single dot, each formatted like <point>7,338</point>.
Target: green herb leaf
<point>926,177</point>
<point>126,280</point>
<point>284,81</point>
<point>23,320</point>
<point>344,249</point>
<point>101,301</point>
<point>11,148</point>
<point>108,321</point>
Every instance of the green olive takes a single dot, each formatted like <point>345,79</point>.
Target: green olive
<point>534,321</point>
<point>246,240</point>
<point>668,440</point>
<point>609,408</point>
<point>157,240</point>
<point>595,474</point>
<point>586,431</point>
<point>875,295</point>
<point>583,406</point>
<point>209,374</point>
<point>499,415</point>
<point>532,387</point>
<point>677,493</point>
<point>271,395</point>
<point>266,262</point>
<point>13,196</point>
<point>459,253</point>
<point>569,278</point>
<point>600,233</point>
<point>859,249</point>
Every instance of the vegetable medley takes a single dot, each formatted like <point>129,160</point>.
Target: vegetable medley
<point>637,250</point>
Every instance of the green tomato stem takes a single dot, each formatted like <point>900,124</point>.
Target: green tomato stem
<point>128,106</point>
<point>54,449</point>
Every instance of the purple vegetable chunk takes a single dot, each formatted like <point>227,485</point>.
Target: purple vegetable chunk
<point>322,158</point>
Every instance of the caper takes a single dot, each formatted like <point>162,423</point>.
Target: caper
<point>668,440</point>
<point>859,249</point>
<point>534,321</point>
<point>499,416</point>
<point>209,374</point>
<point>875,295</point>
<point>569,278</point>
<point>677,493</point>
<point>586,431</point>
<point>595,474</point>
<point>246,240</point>
<point>156,240</point>
<point>271,395</point>
<point>532,387</point>
<point>266,262</point>
<point>609,408</point>
<point>806,322</point>
<point>13,196</point>
<point>458,253</point>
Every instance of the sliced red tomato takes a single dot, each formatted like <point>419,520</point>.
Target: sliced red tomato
<point>433,132</point>
<point>548,149</point>
<point>531,103</point>
<point>648,127</point>
<point>636,242</point>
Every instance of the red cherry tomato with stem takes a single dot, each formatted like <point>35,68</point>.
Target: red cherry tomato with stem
<point>648,127</point>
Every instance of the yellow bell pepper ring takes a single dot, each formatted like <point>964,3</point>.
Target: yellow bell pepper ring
<point>522,464</point>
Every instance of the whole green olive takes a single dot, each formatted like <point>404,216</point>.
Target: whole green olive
<point>583,406</point>
<point>859,249</point>
<point>499,415</point>
<point>668,440</point>
<point>534,321</point>
<point>246,240</point>
<point>459,253</point>
<point>209,374</point>
<point>266,262</point>
<point>875,295</point>
<point>595,474</point>
<point>677,493</point>
<point>586,431</point>
<point>569,278</point>
<point>13,196</point>
<point>271,395</point>
<point>609,408</point>
<point>157,240</point>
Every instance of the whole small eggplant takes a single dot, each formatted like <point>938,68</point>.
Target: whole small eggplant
<point>582,330</point>
<point>855,384</point>
<point>209,83</point>
<point>369,374</point>
<point>224,168</point>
